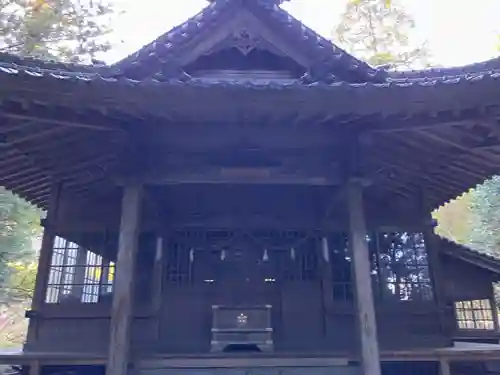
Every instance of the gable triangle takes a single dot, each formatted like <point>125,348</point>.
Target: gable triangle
<point>256,29</point>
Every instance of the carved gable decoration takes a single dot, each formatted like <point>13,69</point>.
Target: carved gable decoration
<point>245,53</point>
<point>244,40</point>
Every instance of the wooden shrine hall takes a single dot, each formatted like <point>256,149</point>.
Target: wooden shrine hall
<point>241,196</point>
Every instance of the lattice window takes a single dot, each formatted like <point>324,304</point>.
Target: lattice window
<point>403,267</point>
<point>77,274</point>
<point>340,267</point>
<point>213,257</point>
<point>107,277</point>
<point>299,259</point>
<point>180,260</point>
<point>62,270</point>
<point>399,266</point>
<point>92,280</point>
<point>476,315</point>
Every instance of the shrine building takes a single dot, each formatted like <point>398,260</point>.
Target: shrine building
<point>241,196</point>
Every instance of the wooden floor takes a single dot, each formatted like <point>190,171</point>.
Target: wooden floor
<point>459,352</point>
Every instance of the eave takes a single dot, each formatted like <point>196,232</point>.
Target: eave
<point>468,255</point>
<point>440,133</point>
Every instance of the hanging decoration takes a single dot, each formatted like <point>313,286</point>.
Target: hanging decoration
<point>292,253</point>
<point>265,256</point>
<point>159,248</point>
<point>326,253</point>
<point>191,255</point>
<point>223,254</point>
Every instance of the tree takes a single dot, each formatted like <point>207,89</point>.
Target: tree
<point>63,30</point>
<point>68,30</point>
<point>456,220</point>
<point>380,32</point>
<point>19,225</point>
<point>22,280</point>
<point>485,207</point>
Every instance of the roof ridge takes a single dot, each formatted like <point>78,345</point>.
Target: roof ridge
<point>486,66</point>
<point>38,63</point>
<point>325,52</point>
<point>167,39</point>
<point>335,54</point>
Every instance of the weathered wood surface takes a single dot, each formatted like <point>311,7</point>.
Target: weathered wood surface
<point>444,367</point>
<point>43,268</point>
<point>367,326</point>
<point>462,352</point>
<point>123,290</point>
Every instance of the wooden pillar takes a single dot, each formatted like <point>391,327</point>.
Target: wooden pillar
<point>35,368</point>
<point>444,367</point>
<point>44,262</point>
<point>122,309</point>
<point>435,266</point>
<point>367,324</point>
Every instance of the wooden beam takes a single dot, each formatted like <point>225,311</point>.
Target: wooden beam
<point>367,324</point>
<point>54,121</point>
<point>229,176</point>
<point>465,147</point>
<point>12,141</point>
<point>121,310</point>
<point>427,120</point>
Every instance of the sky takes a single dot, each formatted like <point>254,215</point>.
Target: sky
<point>458,32</point>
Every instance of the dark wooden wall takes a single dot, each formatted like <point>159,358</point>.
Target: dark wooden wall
<point>177,318</point>
<point>463,281</point>
<point>466,282</point>
<point>182,321</point>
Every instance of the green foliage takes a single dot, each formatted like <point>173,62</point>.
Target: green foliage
<point>19,226</point>
<point>485,206</point>
<point>380,32</point>
<point>474,218</point>
<point>22,280</point>
<point>68,30</point>
<point>455,220</point>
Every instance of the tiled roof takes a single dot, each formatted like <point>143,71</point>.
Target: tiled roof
<point>112,95</point>
<point>107,76</point>
<point>163,51</point>
<point>483,67</point>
